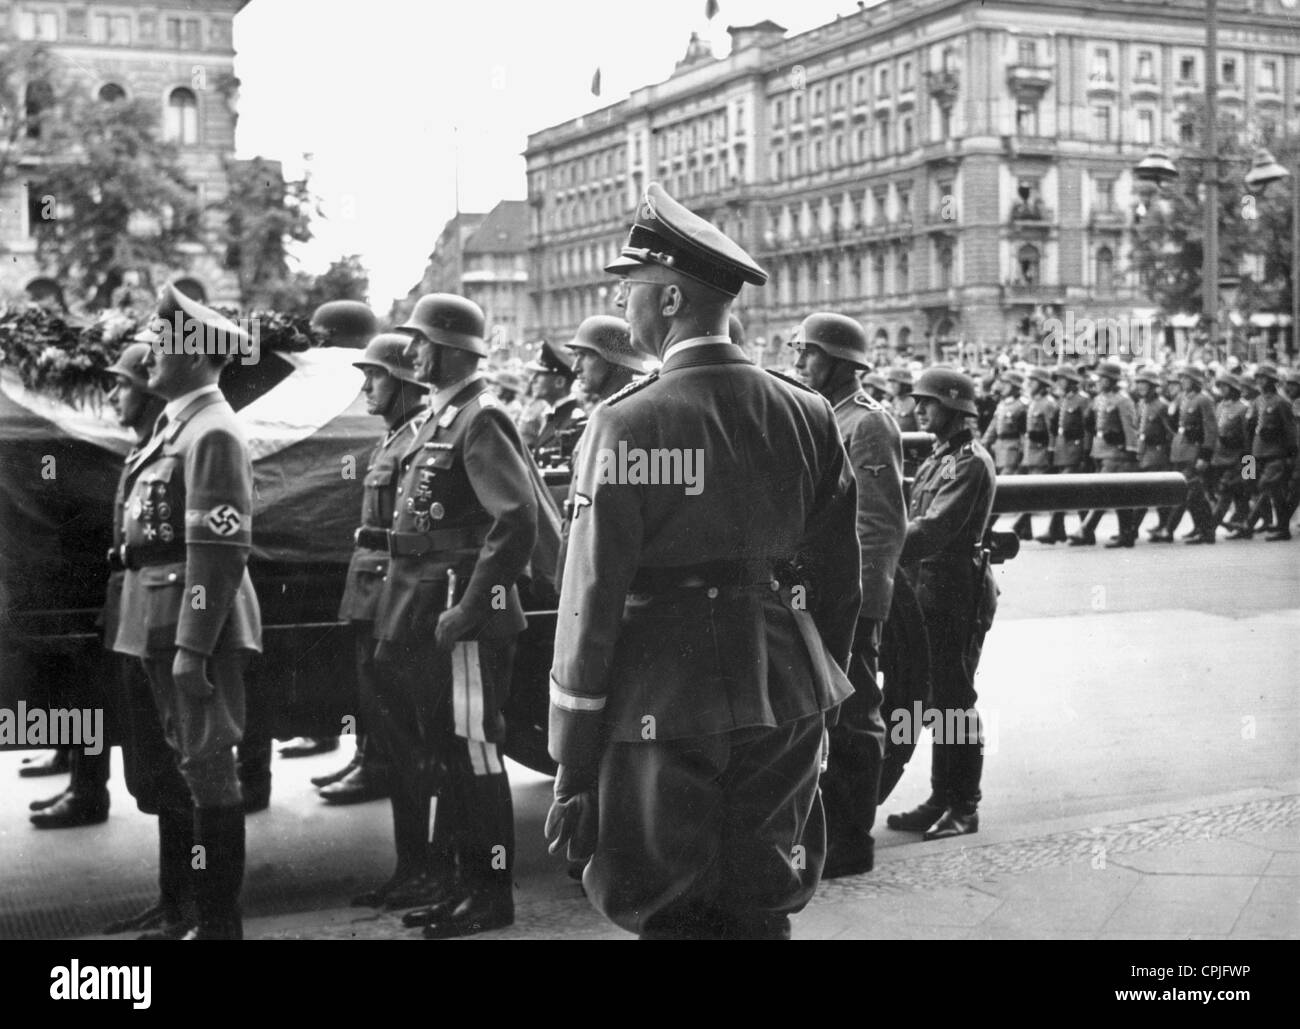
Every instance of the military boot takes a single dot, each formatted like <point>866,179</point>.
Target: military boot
<point>220,832</point>
<point>169,918</point>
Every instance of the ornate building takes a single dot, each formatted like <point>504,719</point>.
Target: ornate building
<point>944,170</point>
<point>178,54</point>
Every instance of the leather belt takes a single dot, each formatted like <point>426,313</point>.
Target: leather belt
<point>715,575</point>
<point>417,544</point>
<point>129,558</point>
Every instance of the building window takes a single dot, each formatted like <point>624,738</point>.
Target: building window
<point>113,29</point>
<point>1146,127</point>
<point>1145,67</point>
<point>1026,119</point>
<point>1187,69</point>
<point>858,220</point>
<point>1187,131</point>
<point>77,24</point>
<point>839,95</point>
<point>905,127</point>
<point>859,87</point>
<point>945,123</point>
<point>817,101</point>
<point>1228,71</point>
<point>796,107</point>
<point>837,154</point>
<point>797,160</point>
<point>1105,270</point>
<point>817,158</point>
<point>182,121</point>
<point>879,206</point>
<point>1027,260</point>
<point>1268,76</point>
<point>903,282</point>
<point>1101,65</point>
<point>740,118</point>
<point>778,165</point>
<point>38,99</point>
<point>878,273</point>
<point>905,75</point>
<point>1104,195</point>
<point>1028,52</point>
<point>148,26</point>
<point>778,114</point>
<point>905,203</point>
<point>882,135</point>
<point>943,261</point>
<point>863,148</point>
<point>111,93</point>
<point>1101,123</point>
<point>884,81</point>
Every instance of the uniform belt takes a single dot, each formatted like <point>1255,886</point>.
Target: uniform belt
<point>417,544</point>
<point>714,574</point>
<point>137,557</point>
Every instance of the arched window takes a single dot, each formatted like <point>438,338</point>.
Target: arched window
<point>904,339</point>
<point>945,265</point>
<point>182,123</point>
<point>1105,270</point>
<point>111,93</point>
<point>1027,261</point>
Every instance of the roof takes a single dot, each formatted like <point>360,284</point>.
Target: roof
<point>504,230</point>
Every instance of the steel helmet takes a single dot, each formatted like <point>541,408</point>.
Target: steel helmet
<point>388,351</point>
<point>953,389</point>
<point>449,320</point>
<point>344,323</point>
<point>610,338</point>
<point>840,336</point>
<point>130,365</point>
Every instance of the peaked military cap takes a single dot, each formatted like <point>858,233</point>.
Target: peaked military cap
<point>665,233</point>
<point>178,315</point>
<point>837,334</point>
<point>611,338</point>
<point>552,361</point>
<point>388,351</point>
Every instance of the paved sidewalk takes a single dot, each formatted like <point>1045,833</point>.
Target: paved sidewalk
<point>1227,869</point>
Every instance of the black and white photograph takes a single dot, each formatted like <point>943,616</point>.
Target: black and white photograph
<point>722,470</point>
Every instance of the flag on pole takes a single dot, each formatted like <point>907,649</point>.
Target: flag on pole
<point>595,83</point>
<point>711,9</point>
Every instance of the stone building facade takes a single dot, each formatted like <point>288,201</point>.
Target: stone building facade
<point>946,171</point>
<point>177,54</point>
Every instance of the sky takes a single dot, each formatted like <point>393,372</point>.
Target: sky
<point>384,94</point>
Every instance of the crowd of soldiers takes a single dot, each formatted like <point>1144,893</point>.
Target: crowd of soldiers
<point>716,702</point>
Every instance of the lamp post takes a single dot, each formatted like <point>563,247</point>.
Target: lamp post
<point>1265,170</point>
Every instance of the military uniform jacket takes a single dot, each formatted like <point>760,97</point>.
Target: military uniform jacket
<point>904,411</point>
<point>1231,418</point>
<point>774,485</point>
<point>1040,427</point>
<point>1274,426</point>
<point>188,500</point>
<point>1198,429</point>
<point>561,417</point>
<point>1116,425</point>
<point>369,564</point>
<point>1005,433</point>
<point>952,497</point>
<point>1072,442</point>
<point>464,501</point>
<point>1155,433</point>
<point>874,445</point>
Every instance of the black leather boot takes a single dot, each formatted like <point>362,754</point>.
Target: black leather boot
<point>220,832</point>
<point>956,821</point>
<point>487,859</point>
<point>169,918</point>
<point>919,818</point>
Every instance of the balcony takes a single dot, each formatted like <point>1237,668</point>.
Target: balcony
<point>1102,84</point>
<point>1106,220</point>
<point>1030,146</point>
<point>1036,293</point>
<point>1031,218</point>
<point>943,86</point>
<point>1030,81</point>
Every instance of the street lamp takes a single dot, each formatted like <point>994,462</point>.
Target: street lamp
<point>1264,170</point>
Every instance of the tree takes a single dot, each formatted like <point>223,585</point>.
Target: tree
<point>345,279</point>
<point>263,214</point>
<point>107,194</point>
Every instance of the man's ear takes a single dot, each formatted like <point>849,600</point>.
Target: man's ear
<point>673,300</point>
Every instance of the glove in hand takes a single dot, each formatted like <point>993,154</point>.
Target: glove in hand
<point>572,822</point>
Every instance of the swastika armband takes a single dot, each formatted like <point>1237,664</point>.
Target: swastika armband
<point>223,523</point>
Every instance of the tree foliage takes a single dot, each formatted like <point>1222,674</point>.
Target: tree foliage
<point>262,215</point>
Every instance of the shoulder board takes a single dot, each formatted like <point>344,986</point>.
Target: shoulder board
<point>789,378</point>
<point>488,399</point>
<point>862,400</point>
<point>632,387</point>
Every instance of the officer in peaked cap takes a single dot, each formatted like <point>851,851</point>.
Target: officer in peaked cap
<point>462,529</point>
<point>552,384</point>
<point>344,323</point>
<point>951,500</point>
<point>831,347</point>
<point>688,766</point>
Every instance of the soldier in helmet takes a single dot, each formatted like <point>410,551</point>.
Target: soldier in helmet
<point>344,323</point>
<point>1070,443</point>
<point>1292,389</point>
<point>1231,416</point>
<point>902,405</point>
<point>1273,446</point>
<point>1114,449</point>
<point>1040,427</point>
<point>1155,432</point>
<point>1190,453</point>
<point>876,386</point>
<point>689,688</point>
<point>552,384</point>
<point>951,501</point>
<point>830,347</point>
<point>463,527</point>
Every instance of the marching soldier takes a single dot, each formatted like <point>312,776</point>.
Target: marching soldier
<point>1274,447</point>
<point>1041,416</point>
<point>463,528</point>
<point>188,611</point>
<point>1190,454</point>
<point>1231,416</point>
<point>1155,432</point>
<point>1070,444</point>
<point>1004,437</point>
<point>1114,449</point>
<point>704,622</point>
<point>553,376</point>
<point>830,347</point>
<point>1292,387</point>
<point>902,404</point>
<point>951,501</point>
